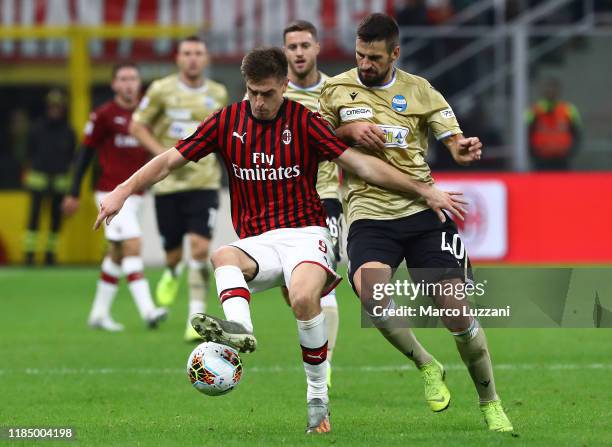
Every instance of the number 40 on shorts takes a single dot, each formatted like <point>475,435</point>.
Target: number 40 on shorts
<point>455,246</point>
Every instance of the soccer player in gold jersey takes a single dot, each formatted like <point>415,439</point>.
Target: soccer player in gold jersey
<point>301,47</point>
<point>186,202</point>
<point>389,113</point>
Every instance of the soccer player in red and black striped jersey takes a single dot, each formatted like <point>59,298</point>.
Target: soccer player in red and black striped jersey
<point>271,147</point>
<point>119,156</point>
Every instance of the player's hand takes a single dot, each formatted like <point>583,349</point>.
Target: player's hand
<point>70,205</point>
<point>110,207</point>
<point>469,150</point>
<point>363,134</point>
<point>450,201</point>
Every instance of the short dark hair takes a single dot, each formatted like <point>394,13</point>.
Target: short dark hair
<point>300,25</point>
<point>262,63</point>
<point>191,38</point>
<point>125,64</point>
<point>378,26</point>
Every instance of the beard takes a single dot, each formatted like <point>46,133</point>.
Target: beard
<point>373,81</point>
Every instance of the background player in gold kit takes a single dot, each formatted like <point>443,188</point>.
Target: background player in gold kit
<point>186,202</point>
<point>393,113</point>
<point>305,83</point>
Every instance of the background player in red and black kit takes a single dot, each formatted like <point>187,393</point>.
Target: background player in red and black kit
<point>119,155</point>
<point>271,147</point>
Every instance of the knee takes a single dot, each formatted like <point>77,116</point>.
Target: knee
<point>116,257</point>
<point>174,256</point>
<point>130,247</point>
<point>199,248</point>
<point>225,255</point>
<point>115,252</point>
<point>304,305</point>
<point>200,253</point>
<point>368,278</point>
<point>368,295</point>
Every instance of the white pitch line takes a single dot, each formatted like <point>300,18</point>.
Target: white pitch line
<point>285,369</point>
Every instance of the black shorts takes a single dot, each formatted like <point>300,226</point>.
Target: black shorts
<point>333,209</point>
<point>185,212</point>
<point>433,250</point>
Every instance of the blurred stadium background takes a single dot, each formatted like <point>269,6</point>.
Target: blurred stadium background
<point>490,59</point>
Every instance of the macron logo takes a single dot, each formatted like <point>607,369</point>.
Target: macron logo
<point>241,137</point>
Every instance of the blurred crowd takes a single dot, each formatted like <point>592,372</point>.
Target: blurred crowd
<point>21,124</point>
<point>439,12</point>
<point>38,143</point>
<point>37,154</point>
<point>37,150</point>
<point>429,53</point>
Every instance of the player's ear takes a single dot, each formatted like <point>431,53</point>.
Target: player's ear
<point>317,47</point>
<point>395,53</point>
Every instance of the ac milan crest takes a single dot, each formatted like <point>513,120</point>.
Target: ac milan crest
<point>286,136</point>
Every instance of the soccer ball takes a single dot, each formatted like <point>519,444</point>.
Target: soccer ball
<point>214,369</point>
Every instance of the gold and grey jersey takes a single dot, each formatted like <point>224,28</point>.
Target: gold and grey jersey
<point>327,177</point>
<point>173,110</point>
<point>406,109</point>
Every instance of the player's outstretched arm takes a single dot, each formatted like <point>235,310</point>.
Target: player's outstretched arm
<point>377,172</point>
<point>155,170</point>
<point>464,150</point>
<point>146,138</point>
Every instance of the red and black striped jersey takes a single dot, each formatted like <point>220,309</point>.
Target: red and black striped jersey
<point>272,164</point>
<point>119,153</point>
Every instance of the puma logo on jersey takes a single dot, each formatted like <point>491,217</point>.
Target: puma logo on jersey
<point>241,137</point>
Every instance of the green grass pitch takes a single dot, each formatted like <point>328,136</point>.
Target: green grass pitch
<point>131,388</point>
